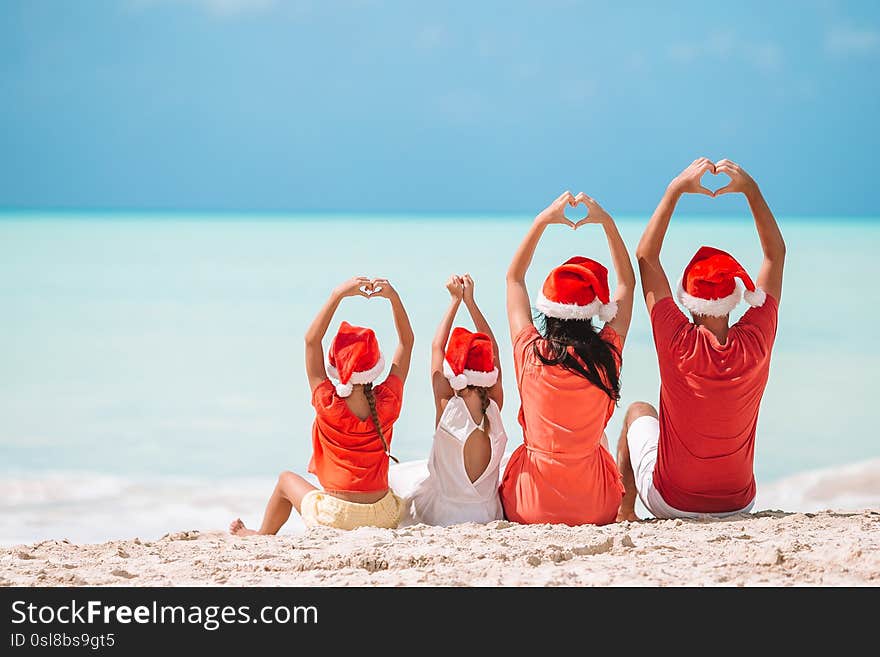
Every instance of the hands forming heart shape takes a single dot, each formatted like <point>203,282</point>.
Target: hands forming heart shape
<point>580,199</point>
<point>555,214</point>
<point>690,181</point>
<point>372,288</point>
<point>366,287</point>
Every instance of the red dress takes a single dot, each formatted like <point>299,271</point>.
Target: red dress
<point>561,473</point>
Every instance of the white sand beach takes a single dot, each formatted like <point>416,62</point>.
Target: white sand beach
<point>769,548</point>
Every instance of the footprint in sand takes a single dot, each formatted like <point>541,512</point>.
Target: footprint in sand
<point>596,548</point>
<point>191,535</point>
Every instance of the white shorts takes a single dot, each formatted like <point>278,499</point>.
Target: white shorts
<point>643,438</point>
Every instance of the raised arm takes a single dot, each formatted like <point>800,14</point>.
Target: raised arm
<point>519,308</point>
<point>405,337</point>
<point>442,390</point>
<point>772,244</point>
<point>655,285</point>
<point>623,270</point>
<point>315,368</point>
<point>496,392</point>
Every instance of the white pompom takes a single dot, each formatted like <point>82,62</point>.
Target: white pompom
<point>608,311</point>
<point>755,299</point>
<point>458,382</point>
<point>344,389</point>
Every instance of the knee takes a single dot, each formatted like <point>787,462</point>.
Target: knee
<point>639,409</point>
<point>285,478</point>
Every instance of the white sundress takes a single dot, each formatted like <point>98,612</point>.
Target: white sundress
<point>447,496</point>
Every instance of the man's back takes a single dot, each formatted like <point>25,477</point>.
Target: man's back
<point>710,395</point>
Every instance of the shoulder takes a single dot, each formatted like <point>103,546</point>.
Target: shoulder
<point>390,389</point>
<point>522,343</point>
<point>525,337</point>
<point>761,319</point>
<point>766,311</point>
<point>666,310</point>
<point>668,322</point>
<point>523,353</point>
<point>608,334</point>
<point>454,406</point>
<point>493,411</point>
<point>324,395</point>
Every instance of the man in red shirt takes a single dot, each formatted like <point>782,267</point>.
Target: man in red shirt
<point>695,457</point>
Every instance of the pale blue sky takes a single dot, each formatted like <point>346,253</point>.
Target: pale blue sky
<point>442,106</point>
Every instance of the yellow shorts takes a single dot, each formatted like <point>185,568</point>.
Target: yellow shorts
<point>319,508</point>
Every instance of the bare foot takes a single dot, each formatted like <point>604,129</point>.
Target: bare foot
<point>627,515</point>
<point>237,527</point>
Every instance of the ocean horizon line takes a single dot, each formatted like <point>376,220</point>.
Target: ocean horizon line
<point>401,215</point>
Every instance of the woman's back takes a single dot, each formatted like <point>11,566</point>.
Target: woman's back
<point>561,411</point>
<point>561,473</point>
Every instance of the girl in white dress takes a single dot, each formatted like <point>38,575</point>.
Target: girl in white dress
<point>469,439</point>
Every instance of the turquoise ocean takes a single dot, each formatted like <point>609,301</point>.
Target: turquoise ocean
<point>151,366</point>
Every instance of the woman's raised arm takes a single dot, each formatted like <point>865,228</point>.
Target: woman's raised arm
<point>623,269</point>
<point>519,308</point>
<point>315,368</point>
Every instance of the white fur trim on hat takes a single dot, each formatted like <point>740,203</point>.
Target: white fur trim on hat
<point>469,377</point>
<point>605,311</point>
<point>366,376</point>
<point>755,299</point>
<point>482,379</point>
<point>710,307</point>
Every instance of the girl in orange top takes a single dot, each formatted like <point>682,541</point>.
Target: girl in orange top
<point>568,378</point>
<point>351,436</point>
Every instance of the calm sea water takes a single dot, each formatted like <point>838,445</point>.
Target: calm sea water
<point>151,367</point>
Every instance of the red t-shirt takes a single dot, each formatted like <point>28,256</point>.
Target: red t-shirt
<point>709,400</point>
<point>347,453</point>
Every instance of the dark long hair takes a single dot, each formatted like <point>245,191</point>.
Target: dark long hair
<point>371,400</point>
<point>593,358</point>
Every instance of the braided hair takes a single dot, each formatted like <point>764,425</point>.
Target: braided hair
<point>371,400</point>
<point>484,399</point>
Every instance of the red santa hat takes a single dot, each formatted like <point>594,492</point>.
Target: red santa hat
<point>470,360</point>
<point>354,358</point>
<point>577,289</point>
<point>709,286</point>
